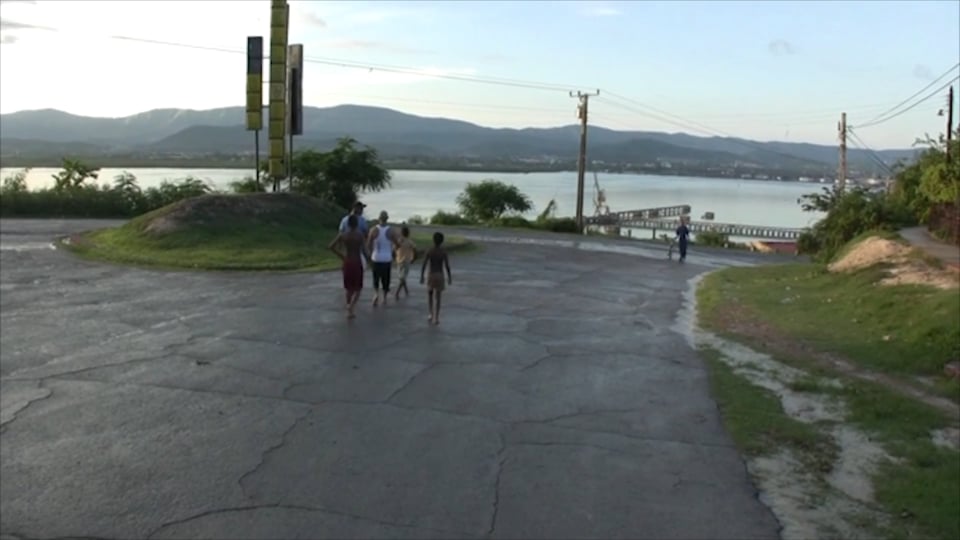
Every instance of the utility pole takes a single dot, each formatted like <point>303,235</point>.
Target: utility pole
<point>949,121</point>
<point>582,111</point>
<point>842,171</point>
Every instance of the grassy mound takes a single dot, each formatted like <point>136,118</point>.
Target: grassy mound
<point>258,231</point>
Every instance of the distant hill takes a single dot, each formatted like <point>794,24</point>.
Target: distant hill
<point>396,134</point>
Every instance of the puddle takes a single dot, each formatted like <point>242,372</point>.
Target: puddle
<point>806,505</point>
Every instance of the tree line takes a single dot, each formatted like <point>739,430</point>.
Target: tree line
<point>920,191</point>
<point>337,176</point>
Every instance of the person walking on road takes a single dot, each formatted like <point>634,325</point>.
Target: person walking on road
<point>683,236</point>
<point>362,226</point>
<point>381,242</point>
<point>406,254</point>
<point>437,259</point>
<point>354,252</point>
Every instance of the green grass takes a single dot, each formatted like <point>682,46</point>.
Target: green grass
<point>756,420</point>
<point>847,314</point>
<point>230,232</point>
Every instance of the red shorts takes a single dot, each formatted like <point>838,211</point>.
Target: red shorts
<point>352,275</point>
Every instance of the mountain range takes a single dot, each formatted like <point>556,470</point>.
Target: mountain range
<point>182,132</point>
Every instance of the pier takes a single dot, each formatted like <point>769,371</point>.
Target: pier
<point>656,219</point>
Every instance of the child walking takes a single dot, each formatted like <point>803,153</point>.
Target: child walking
<point>406,254</point>
<point>354,252</point>
<point>437,259</point>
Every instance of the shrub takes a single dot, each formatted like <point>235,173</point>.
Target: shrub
<point>513,221</point>
<point>849,215</point>
<point>558,225</point>
<point>417,219</point>
<point>488,200</point>
<point>248,185</point>
<point>449,218</point>
<point>712,238</point>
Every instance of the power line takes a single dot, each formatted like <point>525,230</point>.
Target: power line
<point>702,129</point>
<point>915,94</point>
<point>515,83</point>
<point>908,109</point>
<point>870,152</point>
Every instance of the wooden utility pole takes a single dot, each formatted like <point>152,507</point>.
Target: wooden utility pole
<point>582,111</point>
<point>949,121</point>
<point>842,171</point>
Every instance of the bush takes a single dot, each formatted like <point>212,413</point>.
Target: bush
<point>449,218</point>
<point>712,238</point>
<point>558,225</point>
<point>73,196</point>
<point>849,215</point>
<point>513,221</point>
<point>248,185</point>
<point>416,219</point>
<point>489,200</point>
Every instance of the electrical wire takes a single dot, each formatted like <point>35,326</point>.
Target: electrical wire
<point>915,94</point>
<point>515,83</point>
<point>712,132</point>
<point>908,109</point>
<point>870,152</point>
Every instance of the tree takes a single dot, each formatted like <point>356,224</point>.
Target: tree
<point>16,183</point>
<point>491,199</point>
<point>930,180</point>
<point>339,175</point>
<point>73,174</point>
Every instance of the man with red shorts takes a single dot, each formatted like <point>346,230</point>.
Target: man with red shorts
<point>354,252</point>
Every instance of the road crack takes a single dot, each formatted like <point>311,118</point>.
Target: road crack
<point>270,450</point>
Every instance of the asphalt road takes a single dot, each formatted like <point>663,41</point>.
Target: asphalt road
<point>553,401</point>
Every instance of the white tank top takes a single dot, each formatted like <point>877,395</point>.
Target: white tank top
<point>382,246</point>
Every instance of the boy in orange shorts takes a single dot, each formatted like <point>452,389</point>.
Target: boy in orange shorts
<point>437,259</point>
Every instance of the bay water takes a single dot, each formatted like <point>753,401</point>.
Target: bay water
<point>422,193</point>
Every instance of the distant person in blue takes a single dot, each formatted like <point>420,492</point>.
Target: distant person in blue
<point>361,221</point>
<point>683,236</point>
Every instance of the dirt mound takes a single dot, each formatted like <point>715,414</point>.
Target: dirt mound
<point>906,266</point>
<point>224,211</point>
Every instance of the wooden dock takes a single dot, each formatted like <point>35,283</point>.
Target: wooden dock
<point>657,219</point>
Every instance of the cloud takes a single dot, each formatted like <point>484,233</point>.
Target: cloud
<point>780,47</point>
<point>7,24</point>
<point>312,19</point>
<point>922,71</point>
<point>374,45</point>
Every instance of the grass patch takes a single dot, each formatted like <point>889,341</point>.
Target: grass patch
<point>756,419</point>
<point>816,311</point>
<point>904,329</point>
<point>280,232</point>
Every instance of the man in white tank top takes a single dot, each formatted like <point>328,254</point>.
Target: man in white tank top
<point>381,242</point>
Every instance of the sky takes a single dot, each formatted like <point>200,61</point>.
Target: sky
<point>764,70</point>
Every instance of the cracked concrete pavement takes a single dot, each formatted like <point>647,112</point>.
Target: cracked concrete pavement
<point>553,401</point>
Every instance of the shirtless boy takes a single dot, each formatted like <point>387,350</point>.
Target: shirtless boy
<point>437,259</point>
<point>406,253</point>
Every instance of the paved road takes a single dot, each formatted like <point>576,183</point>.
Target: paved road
<point>948,254</point>
<point>552,402</point>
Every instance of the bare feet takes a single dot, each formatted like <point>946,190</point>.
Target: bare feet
<point>376,300</point>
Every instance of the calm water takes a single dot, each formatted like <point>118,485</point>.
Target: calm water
<point>422,193</point>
